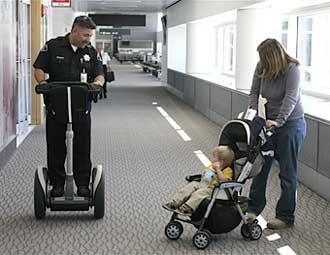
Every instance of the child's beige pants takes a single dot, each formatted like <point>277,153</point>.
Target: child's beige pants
<point>192,194</point>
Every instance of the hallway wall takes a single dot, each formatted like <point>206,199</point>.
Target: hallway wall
<point>7,77</point>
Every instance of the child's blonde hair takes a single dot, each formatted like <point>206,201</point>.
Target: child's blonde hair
<point>224,153</point>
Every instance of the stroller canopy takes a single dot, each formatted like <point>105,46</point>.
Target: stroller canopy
<point>241,134</point>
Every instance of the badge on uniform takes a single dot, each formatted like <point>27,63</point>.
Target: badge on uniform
<point>86,57</point>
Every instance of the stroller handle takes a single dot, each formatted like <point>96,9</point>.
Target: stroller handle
<point>270,131</point>
<point>229,184</point>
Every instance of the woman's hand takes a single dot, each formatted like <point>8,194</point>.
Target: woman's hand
<point>271,123</point>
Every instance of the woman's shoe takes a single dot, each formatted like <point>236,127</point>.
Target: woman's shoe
<point>278,224</point>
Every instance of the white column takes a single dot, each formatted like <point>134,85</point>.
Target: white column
<point>200,48</point>
<point>253,26</point>
<point>164,64</point>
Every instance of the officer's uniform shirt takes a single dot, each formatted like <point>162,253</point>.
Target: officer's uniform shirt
<point>65,62</point>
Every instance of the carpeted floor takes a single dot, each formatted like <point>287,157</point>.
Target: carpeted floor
<point>145,161</point>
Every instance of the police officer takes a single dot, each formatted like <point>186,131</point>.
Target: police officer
<point>69,58</point>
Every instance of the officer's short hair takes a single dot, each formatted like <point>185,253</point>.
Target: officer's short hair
<point>84,22</point>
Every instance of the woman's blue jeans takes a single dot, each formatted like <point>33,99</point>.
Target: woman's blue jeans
<point>287,141</point>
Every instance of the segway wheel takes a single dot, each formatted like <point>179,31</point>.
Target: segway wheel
<point>201,239</point>
<point>245,231</point>
<point>255,231</point>
<point>39,198</point>
<point>173,230</point>
<point>99,198</point>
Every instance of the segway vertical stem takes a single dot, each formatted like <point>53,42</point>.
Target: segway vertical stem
<point>69,147</point>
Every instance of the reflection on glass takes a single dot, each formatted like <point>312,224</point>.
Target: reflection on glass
<point>284,40</point>
<point>285,25</point>
<point>225,49</point>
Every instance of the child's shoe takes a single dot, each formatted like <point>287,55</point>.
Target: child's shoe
<point>171,206</point>
<point>184,210</point>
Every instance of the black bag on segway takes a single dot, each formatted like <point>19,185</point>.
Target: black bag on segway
<point>80,102</point>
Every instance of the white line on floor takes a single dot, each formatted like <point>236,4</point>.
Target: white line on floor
<point>172,122</point>
<point>262,222</point>
<point>286,250</point>
<point>162,111</point>
<point>273,237</point>
<point>206,162</point>
<point>184,135</point>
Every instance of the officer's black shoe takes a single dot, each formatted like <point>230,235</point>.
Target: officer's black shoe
<point>101,96</point>
<point>57,191</point>
<point>83,191</point>
<point>105,96</point>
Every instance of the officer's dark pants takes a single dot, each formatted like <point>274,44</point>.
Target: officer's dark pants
<point>56,151</point>
<point>105,80</point>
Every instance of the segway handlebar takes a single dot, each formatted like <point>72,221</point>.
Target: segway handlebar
<point>47,87</point>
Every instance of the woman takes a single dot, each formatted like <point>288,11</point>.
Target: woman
<point>276,78</point>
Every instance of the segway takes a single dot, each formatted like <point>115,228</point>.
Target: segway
<point>78,97</point>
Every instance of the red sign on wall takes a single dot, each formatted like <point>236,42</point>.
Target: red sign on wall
<point>61,3</point>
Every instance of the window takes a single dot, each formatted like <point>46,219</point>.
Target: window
<point>225,49</point>
<point>305,25</point>
<point>313,52</point>
<point>284,37</point>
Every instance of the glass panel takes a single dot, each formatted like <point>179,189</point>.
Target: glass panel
<point>307,23</point>
<point>284,40</point>
<point>305,46</point>
<point>285,25</point>
<point>314,52</point>
<point>23,78</point>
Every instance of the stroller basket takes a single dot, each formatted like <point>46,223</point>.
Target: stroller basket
<point>224,215</point>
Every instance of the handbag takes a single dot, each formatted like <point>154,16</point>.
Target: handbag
<point>110,76</point>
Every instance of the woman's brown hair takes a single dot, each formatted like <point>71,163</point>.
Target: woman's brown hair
<point>274,59</point>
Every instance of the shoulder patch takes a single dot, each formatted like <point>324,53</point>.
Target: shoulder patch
<point>44,48</point>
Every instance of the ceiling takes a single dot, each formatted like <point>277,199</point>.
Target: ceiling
<point>121,6</point>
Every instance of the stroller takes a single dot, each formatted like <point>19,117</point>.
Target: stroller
<point>248,138</point>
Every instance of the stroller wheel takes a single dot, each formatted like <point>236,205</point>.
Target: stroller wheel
<point>201,239</point>
<point>245,231</point>
<point>173,230</point>
<point>255,231</point>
